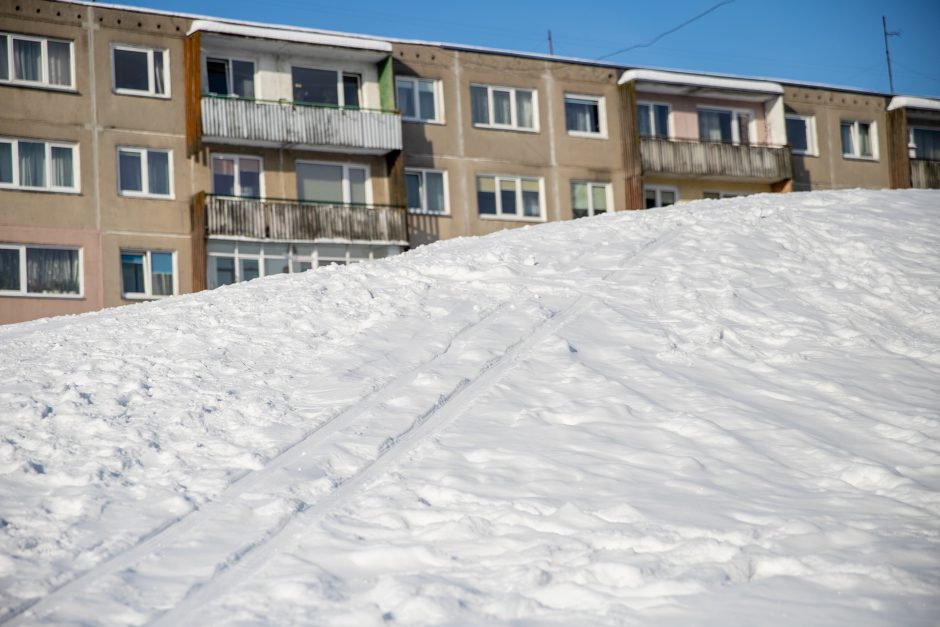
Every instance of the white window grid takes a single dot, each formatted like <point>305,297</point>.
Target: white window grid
<point>340,75</point>
<point>148,294</point>
<point>151,90</point>
<point>658,190</point>
<point>23,277</point>
<point>499,215</point>
<point>591,185</point>
<point>49,145</point>
<point>144,174</point>
<point>228,70</point>
<point>599,102</point>
<point>651,104</point>
<point>911,143</point>
<point>423,172</point>
<point>238,159</point>
<point>513,112</point>
<point>736,122</point>
<point>347,185</point>
<point>809,121</point>
<point>856,145</point>
<point>44,62</point>
<point>416,100</point>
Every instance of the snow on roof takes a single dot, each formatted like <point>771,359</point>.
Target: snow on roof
<point>320,39</point>
<point>715,82</point>
<point>910,102</point>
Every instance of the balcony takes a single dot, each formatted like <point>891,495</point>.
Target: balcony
<point>925,174</point>
<point>291,220</point>
<point>277,124</point>
<point>715,159</point>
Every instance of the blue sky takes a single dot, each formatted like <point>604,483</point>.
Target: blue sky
<point>828,41</point>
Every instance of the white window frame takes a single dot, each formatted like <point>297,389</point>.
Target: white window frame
<point>347,190</point>
<point>228,73</point>
<point>423,210</point>
<point>49,187</point>
<point>237,158</point>
<point>812,147</point>
<point>43,81</point>
<point>608,192</point>
<point>438,99</point>
<point>872,135</point>
<point>721,194</point>
<point>670,133</point>
<point>601,104</point>
<point>911,144</point>
<point>340,91</point>
<point>513,112</point>
<point>518,217</point>
<point>148,294</point>
<point>735,125</point>
<point>150,92</point>
<point>659,189</point>
<point>23,274</point>
<point>144,178</point>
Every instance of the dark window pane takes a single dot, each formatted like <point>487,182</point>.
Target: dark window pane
<point>507,197</point>
<point>479,105</point>
<point>413,188</point>
<point>351,91</point>
<point>249,178</point>
<point>406,103</point>
<point>224,270</point>
<point>6,162</point>
<point>643,120</point>
<point>661,113</point>
<point>9,269</point>
<point>581,116</point>
<point>249,269</point>
<point>60,63</point>
<point>426,100</point>
<point>223,176</point>
<point>486,195</point>
<point>4,58</point>
<point>52,271</point>
<point>243,79</point>
<point>158,172</point>
<point>435,191</point>
<point>130,70</point>
<point>714,126</point>
<point>129,172</point>
<point>315,86</point>
<point>926,143</point>
<point>32,164</point>
<point>217,75</point>
<point>132,273</point>
<point>161,274</point>
<point>158,75</point>
<point>502,107</point>
<point>796,134</point>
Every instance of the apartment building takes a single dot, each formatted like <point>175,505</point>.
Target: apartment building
<point>94,184</point>
<point>295,137</point>
<point>838,137</point>
<point>914,142</point>
<point>494,140</point>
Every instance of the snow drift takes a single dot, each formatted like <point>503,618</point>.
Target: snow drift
<point>726,412</point>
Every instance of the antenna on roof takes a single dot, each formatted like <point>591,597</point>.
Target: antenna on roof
<point>551,47</point>
<point>884,30</point>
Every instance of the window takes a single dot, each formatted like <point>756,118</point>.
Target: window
<point>37,61</point>
<point>503,107</point>
<point>147,274</point>
<point>584,115</point>
<point>325,87</point>
<point>660,196</point>
<point>589,199</point>
<point>801,134</point>
<point>332,183</point>
<point>724,125</point>
<point>38,165</point>
<point>144,172</point>
<point>719,195</point>
<point>858,140</point>
<point>652,119</point>
<point>234,175</point>
<point>426,191</point>
<point>40,271</point>
<point>925,143</point>
<point>140,71</point>
<point>417,99</point>
<point>230,77</point>
<point>509,197</point>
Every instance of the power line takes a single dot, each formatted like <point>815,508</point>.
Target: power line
<point>668,32</point>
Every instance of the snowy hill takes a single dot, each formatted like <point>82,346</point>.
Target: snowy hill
<point>721,413</point>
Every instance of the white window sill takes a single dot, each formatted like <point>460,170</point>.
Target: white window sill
<point>142,94</point>
<point>505,218</point>
<point>583,135</point>
<point>858,158</point>
<point>42,190</point>
<point>420,121</point>
<point>494,127</point>
<point>45,296</point>
<point>69,89</point>
<point>145,196</point>
<point>804,154</point>
<point>436,214</point>
<point>144,297</point>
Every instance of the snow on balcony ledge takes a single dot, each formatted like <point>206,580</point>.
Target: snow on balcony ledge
<point>296,36</point>
<point>698,80</point>
<point>910,102</point>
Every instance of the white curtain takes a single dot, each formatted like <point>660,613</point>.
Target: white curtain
<point>426,100</point>
<point>434,189</point>
<point>848,145</point>
<point>479,104</point>
<point>502,107</point>
<point>158,86</point>
<point>714,126</point>
<point>52,271</point>
<point>63,172</point>
<point>27,60</point>
<point>406,101</point>
<point>158,172</point>
<point>927,143</point>
<point>32,164</point>
<point>161,274</point>
<point>60,63</point>
<point>524,117</point>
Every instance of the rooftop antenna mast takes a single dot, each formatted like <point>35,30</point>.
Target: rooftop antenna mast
<point>884,30</point>
<point>551,46</point>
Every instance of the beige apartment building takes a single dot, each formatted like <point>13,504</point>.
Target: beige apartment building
<point>94,184</point>
<point>914,142</point>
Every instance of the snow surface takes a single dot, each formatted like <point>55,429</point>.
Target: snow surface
<point>725,412</point>
<point>281,34</point>
<point>701,80</point>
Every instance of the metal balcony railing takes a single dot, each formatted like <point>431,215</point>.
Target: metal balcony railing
<point>716,159</point>
<point>279,123</point>
<point>294,220</point>
<point>925,174</point>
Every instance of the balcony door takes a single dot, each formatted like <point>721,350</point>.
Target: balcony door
<point>332,183</point>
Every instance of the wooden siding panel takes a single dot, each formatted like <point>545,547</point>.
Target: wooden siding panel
<point>691,158</point>
<point>925,174</point>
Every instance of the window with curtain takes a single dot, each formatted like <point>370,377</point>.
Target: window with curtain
<point>583,115</point>
<point>509,196</point>
<point>659,196</point>
<point>857,140</point>
<point>40,270</point>
<point>425,190</point>
<point>38,165</point>
<point>140,71</point>
<point>801,134</point>
<point>652,119</point>
<point>503,107</point>
<point>926,143</point>
<point>417,99</point>
<point>37,61</point>
<point>314,86</point>
<point>147,274</point>
<point>588,198</point>
<point>230,77</point>
<point>332,183</point>
<point>715,126</point>
<point>144,172</point>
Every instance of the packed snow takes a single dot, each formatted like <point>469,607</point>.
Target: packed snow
<point>721,413</point>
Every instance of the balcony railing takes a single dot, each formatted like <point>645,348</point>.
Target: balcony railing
<point>925,174</point>
<point>235,120</point>
<point>715,159</point>
<point>294,220</point>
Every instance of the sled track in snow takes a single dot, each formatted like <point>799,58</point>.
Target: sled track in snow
<point>251,555</point>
